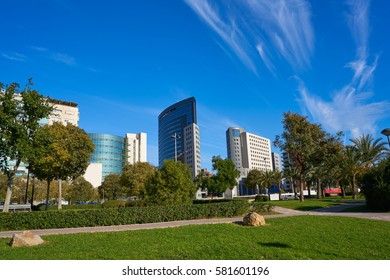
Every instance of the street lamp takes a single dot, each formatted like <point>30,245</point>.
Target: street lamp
<point>175,136</point>
<point>386,132</point>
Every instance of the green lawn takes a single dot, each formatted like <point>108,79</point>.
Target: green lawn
<point>311,203</point>
<point>301,237</point>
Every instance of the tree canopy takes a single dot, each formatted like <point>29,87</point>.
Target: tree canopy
<point>225,177</point>
<point>112,188</point>
<point>134,177</point>
<point>20,114</point>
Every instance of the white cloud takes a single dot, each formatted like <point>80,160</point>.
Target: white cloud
<point>14,56</point>
<point>263,30</point>
<point>350,108</point>
<point>64,58</point>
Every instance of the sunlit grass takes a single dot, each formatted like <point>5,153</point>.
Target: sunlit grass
<point>301,237</point>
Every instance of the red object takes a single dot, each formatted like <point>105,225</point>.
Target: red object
<point>333,191</point>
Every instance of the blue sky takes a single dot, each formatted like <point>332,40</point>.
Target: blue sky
<point>246,62</point>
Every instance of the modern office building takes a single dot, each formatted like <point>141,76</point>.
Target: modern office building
<point>109,151</point>
<point>275,161</point>
<point>113,152</point>
<point>247,151</point>
<point>179,136</point>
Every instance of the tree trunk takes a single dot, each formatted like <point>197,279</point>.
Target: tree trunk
<point>47,194</point>
<point>32,191</point>
<point>26,193</point>
<point>319,188</point>
<point>301,186</point>
<point>353,186</point>
<point>11,177</point>
<point>308,186</point>
<point>280,191</point>
<point>59,194</point>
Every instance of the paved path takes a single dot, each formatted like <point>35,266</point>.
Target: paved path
<point>284,212</point>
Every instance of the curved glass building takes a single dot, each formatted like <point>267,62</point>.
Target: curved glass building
<point>177,126</point>
<point>109,151</point>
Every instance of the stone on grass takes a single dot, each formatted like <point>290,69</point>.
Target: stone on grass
<point>253,219</point>
<point>26,238</point>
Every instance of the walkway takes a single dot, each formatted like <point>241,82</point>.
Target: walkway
<point>284,212</point>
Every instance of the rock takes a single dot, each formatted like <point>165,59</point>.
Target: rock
<point>26,238</point>
<point>253,219</point>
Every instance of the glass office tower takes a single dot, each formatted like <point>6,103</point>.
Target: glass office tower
<point>178,123</point>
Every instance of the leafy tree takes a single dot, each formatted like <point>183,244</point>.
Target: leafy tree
<point>112,188</point>
<point>3,186</point>
<point>253,179</point>
<point>19,121</point>
<point>66,155</point>
<point>202,180</point>
<point>299,139</point>
<point>170,185</point>
<point>80,190</point>
<point>266,180</point>
<point>353,166</point>
<point>134,178</point>
<point>277,177</point>
<point>292,175</point>
<point>225,177</point>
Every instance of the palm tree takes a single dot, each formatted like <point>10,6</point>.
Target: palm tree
<point>266,180</point>
<point>371,150</point>
<point>277,178</point>
<point>353,165</point>
<point>292,175</point>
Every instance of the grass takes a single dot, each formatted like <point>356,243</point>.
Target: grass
<point>301,237</point>
<point>311,203</point>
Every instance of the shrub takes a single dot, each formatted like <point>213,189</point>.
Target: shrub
<point>119,215</point>
<point>114,204</point>
<point>260,207</point>
<point>261,198</point>
<point>375,185</point>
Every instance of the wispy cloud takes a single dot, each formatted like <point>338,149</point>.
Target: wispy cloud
<point>64,58</point>
<point>262,30</point>
<point>14,56</point>
<point>350,108</point>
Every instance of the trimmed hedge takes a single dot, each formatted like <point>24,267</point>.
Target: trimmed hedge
<point>260,198</point>
<point>119,216</point>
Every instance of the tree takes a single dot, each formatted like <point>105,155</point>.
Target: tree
<point>134,177</point>
<point>170,185</point>
<point>253,179</point>
<point>371,151</point>
<point>266,180</point>
<point>19,121</point>
<point>292,175</point>
<point>81,190</point>
<point>225,177</point>
<point>112,187</point>
<point>277,178</point>
<point>353,166</point>
<point>299,139</point>
<point>66,155</point>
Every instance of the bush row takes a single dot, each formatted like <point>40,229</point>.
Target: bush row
<point>119,216</point>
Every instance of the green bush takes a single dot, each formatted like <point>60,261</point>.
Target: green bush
<point>119,216</point>
<point>114,204</point>
<point>261,198</point>
<point>375,185</point>
<point>261,207</point>
<point>208,201</point>
<point>68,207</point>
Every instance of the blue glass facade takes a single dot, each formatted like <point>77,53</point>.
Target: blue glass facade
<point>109,150</point>
<point>173,120</point>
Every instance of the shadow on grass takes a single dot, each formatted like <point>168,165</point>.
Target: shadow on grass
<point>274,244</point>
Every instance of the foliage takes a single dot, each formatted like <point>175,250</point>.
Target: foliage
<point>67,152</point>
<point>371,150</point>
<point>134,178</point>
<point>81,190</point>
<point>261,198</point>
<point>170,185</point>
<point>225,177</point>
<point>111,188</point>
<point>19,122</point>
<point>375,185</point>
<point>119,216</point>
<point>114,204</point>
<point>261,208</point>
<point>253,179</point>
<point>300,140</point>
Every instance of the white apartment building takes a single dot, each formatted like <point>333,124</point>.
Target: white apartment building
<point>192,148</point>
<point>64,112</point>
<point>135,148</point>
<point>247,151</point>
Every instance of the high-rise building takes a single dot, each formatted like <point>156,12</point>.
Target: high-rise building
<point>113,152</point>
<point>178,135</point>
<point>63,111</point>
<point>135,148</point>
<point>275,161</point>
<point>247,151</point>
